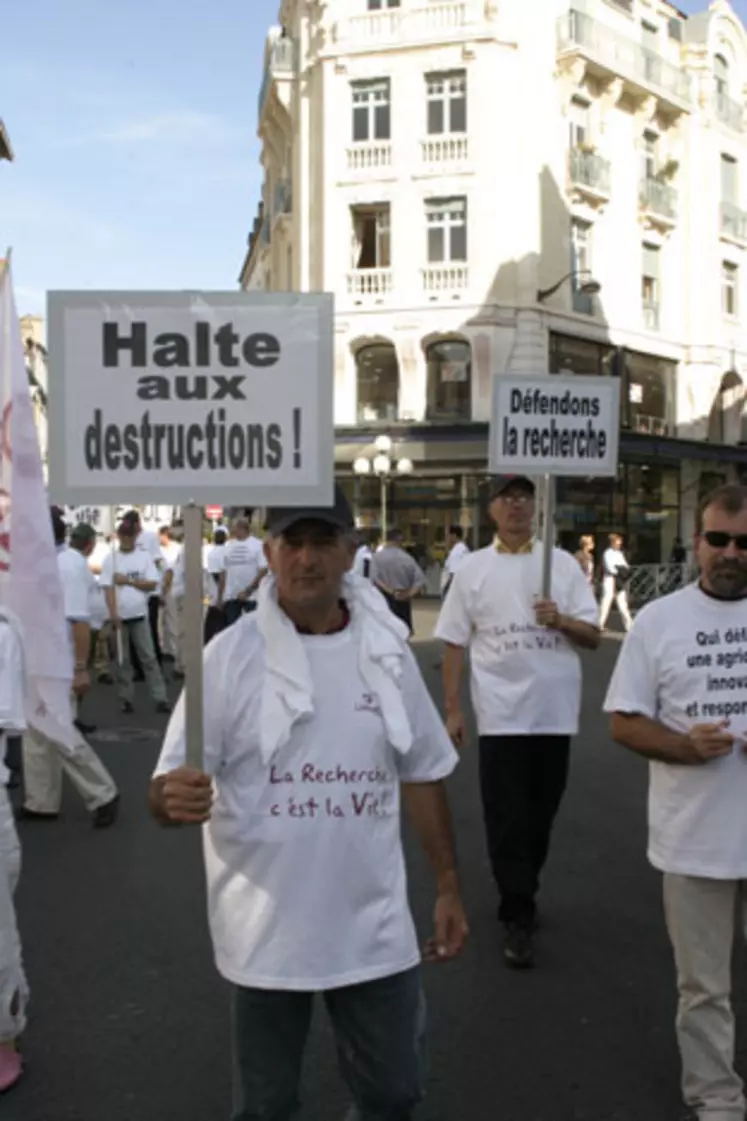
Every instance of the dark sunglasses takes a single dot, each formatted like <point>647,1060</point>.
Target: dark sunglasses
<point>717,539</point>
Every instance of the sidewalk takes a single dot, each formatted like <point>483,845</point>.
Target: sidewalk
<point>424,616</point>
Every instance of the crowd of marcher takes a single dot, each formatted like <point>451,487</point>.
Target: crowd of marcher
<point>319,731</point>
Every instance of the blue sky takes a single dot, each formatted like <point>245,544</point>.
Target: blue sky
<point>134,131</point>
<point>134,128</point>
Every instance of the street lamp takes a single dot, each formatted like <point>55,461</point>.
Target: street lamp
<point>590,287</point>
<point>381,464</point>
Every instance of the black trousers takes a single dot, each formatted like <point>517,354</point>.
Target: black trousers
<point>402,608</point>
<point>522,782</point>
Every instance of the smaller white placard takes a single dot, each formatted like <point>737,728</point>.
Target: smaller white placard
<point>550,425</point>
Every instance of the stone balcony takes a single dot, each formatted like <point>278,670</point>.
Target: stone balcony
<point>440,21</point>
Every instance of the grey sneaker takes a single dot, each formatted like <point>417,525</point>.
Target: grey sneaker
<point>518,946</point>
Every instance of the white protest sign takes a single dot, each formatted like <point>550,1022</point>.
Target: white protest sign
<point>176,397</point>
<point>550,425</point>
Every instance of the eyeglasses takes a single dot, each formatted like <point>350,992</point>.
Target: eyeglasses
<point>518,498</point>
<point>717,539</point>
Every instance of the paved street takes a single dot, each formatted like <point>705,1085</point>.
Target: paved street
<point>129,1020</point>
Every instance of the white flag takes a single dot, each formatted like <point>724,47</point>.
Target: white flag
<point>30,583</point>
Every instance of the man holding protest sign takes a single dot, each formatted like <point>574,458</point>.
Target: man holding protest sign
<point>526,693</point>
<point>316,722</point>
<point>678,697</point>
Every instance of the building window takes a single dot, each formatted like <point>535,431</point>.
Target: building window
<point>379,5</point>
<point>449,364</point>
<point>371,237</point>
<point>721,75</point>
<point>730,289</point>
<point>372,111</point>
<point>581,267</point>
<point>650,156</point>
<point>650,37</point>
<point>650,393</point>
<point>446,222</point>
<point>377,379</point>
<point>650,294</point>
<point>447,103</point>
<point>579,123</point>
<point>729,180</point>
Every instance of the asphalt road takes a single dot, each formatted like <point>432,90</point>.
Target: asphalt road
<point>129,1020</point>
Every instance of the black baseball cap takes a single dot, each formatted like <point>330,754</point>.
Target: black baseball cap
<point>501,483</point>
<point>83,532</point>
<point>339,515</point>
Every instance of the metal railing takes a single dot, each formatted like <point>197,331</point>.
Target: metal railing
<point>651,317</point>
<point>283,200</point>
<point>587,169</point>
<point>281,60</point>
<point>651,581</point>
<point>624,56</point>
<point>729,112</point>
<point>733,222</point>
<point>658,198</point>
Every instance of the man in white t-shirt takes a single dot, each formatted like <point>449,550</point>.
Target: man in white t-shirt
<point>148,541</point>
<point>170,550</point>
<point>526,694</point>
<point>244,566</point>
<point>615,576</point>
<point>363,558</point>
<point>43,761</point>
<point>101,644</point>
<point>458,551</point>
<point>215,619</point>
<point>678,697</point>
<point>317,722</point>
<point>129,578</point>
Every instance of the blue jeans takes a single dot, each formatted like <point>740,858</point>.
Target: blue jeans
<point>379,1029</point>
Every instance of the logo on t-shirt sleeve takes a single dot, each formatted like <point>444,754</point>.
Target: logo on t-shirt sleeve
<point>368,702</point>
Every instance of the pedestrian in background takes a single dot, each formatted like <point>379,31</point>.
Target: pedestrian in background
<point>397,576</point>
<point>129,578</point>
<point>44,761</point>
<point>363,558</point>
<point>615,580</point>
<point>215,619</point>
<point>170,549</point>
<point>13,986</point>
<point>585,557</point>
<point>306,883</point>
<point>669,703</point>
<point>457,552</point>
<point>526,694</point>
<point>243,568</point>
<point>147,541</point>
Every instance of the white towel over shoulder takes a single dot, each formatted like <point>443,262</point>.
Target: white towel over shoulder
<point>287,692</point>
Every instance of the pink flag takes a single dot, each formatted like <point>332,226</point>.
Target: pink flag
<point>30,582</point>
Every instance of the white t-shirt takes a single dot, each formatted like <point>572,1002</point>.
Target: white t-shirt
<point>612,560</point>
<point>457,554</point>
<point>215,564</point>
<point>685,663</point>
<point>242,560</point>
<point>131,602</point>
<point>170,554</point>
<point>78,588</point>
<point>362,562</point>
<point>305,870</point>
<point>525,679</point>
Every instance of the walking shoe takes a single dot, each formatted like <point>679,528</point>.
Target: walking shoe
<point>518,948</point>
<point>84,729</point>
<point>24,814</point>
<point>107,814</point>
<point>11,1066</point>
<point>127,707</point>
<point>163,706</point>
<point>105,679</point>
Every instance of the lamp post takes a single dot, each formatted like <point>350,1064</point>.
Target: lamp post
<point>381,463</point>
<point>590,287</point>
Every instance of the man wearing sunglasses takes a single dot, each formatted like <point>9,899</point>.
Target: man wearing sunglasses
<point>678,697</point>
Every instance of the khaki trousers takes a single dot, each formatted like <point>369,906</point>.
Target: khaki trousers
<point>700,916</point>
<point>43,767</point>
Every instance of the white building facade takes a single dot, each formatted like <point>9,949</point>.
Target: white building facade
<point>454,171</point>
